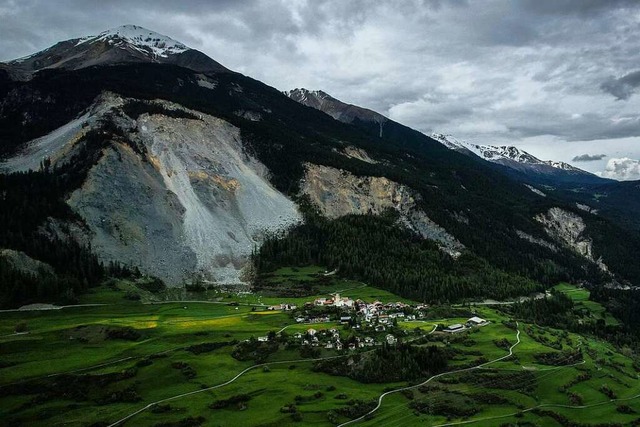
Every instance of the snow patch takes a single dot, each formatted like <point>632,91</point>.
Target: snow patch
<point>139,38</point>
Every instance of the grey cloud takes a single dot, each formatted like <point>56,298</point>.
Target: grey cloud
<point>587,127</point>
<point>623,87</point>
<point>491,70</point>
<point>565,7</point>
<point>589,157</point>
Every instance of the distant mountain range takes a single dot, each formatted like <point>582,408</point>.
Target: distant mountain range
<point>619,200</point>
<point>521,161</point>
<point>509,156</point>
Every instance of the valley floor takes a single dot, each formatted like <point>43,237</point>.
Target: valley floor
<point>172,364</point>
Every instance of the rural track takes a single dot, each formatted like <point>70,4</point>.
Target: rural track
<point>250,368</point>
<point>542,405</point>
<point>50,308</point>
<point>247,304</point>
<point>383,395</point>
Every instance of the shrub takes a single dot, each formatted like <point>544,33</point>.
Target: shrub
<point>239,400</point>
<point>625,409</point>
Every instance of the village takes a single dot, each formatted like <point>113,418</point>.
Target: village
<point>370,323</point>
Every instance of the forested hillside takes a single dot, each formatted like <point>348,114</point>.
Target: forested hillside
<point>477,204</point>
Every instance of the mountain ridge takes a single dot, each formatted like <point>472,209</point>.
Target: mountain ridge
<point>509,156</point>
<point>124,44</point>
<point>518,159</point>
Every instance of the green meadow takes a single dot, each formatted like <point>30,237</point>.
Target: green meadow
<point>97,365</point>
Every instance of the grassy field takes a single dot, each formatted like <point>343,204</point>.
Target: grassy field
<point>95,365</point>
<point>580,297</point>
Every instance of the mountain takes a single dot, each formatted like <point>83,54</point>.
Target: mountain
<point>521,161</point>
<point>125,44</point>
<point>192,175</point>
<point>339,110</point>
<point>616,200</point>
<point>619,201</point>
<point>509,156</point>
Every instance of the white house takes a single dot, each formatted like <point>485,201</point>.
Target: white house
<point>345,319</point>
<point>455,328</point>
<point>339,301</point>
<point>476,321</point>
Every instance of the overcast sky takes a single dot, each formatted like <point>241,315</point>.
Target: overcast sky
<point>559,78</point>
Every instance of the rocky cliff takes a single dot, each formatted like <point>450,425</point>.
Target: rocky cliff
<point>174,194</point>
<point>569,229</point>
<point>338,193</point>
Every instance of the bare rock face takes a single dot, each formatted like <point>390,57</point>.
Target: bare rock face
<point>569,229</point>
<point>25,264</point>
<point>177,197</point>
<point>537,241</point>
<point>359,154</point>
<point>338,193</point>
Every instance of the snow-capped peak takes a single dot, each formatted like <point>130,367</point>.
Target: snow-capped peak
<point>302,95</point>
<point>561,165</point>
<point>499,154</point>
<point>139,38</point>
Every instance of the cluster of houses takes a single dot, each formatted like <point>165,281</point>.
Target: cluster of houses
<point>336,301</point>
<point>376,312</point>
<point>330,339</point>
<point>283,307</point>
<point>375,316</point>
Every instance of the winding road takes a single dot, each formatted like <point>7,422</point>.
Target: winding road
<point>250,368</point>
<point>542,405</point>
<point>383,395</point>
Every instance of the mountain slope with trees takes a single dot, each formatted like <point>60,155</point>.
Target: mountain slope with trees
<point>482,207</point>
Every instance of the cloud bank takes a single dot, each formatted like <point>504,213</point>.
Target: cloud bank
<point>623,169</point>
